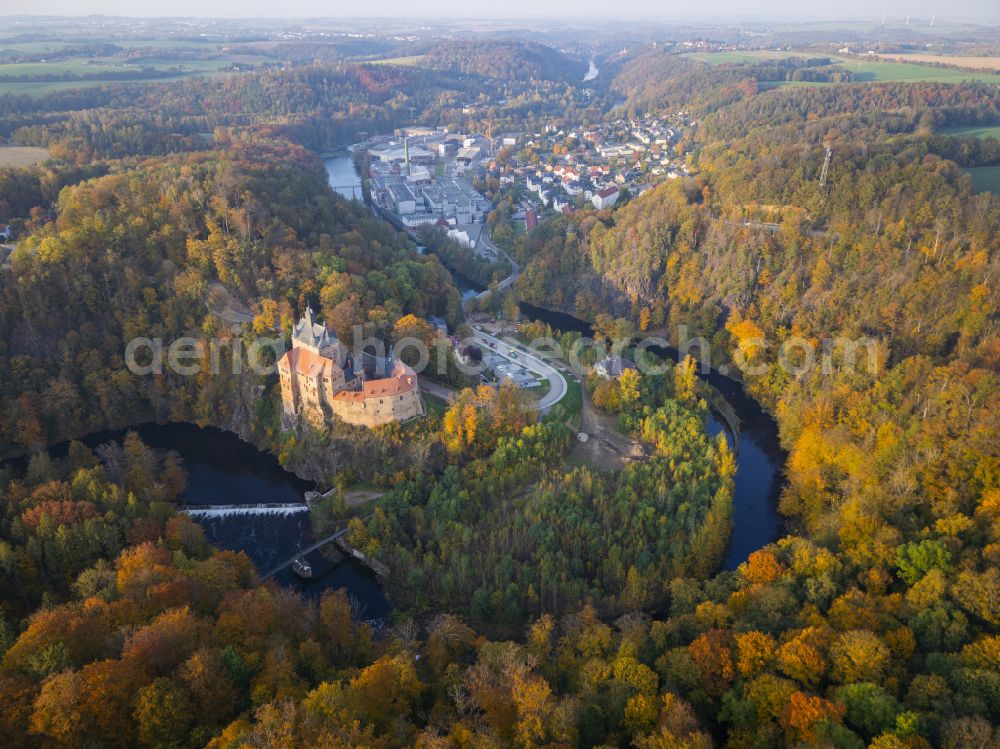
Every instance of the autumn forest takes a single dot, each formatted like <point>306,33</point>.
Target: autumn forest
<point>539,600</point>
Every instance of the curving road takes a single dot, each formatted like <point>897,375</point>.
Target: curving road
<point>515,269</point>
<point>518,355</point>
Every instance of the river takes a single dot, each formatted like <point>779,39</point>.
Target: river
<point>468,288</point>
<point>343,176</point>
<point>223,469</point>
<point>759,457</point>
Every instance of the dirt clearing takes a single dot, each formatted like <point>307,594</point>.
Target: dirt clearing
<point>22,155</point>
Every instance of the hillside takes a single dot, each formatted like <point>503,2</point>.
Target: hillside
<point>505,60</point>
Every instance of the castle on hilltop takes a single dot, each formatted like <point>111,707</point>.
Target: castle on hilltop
<point>319,382</point>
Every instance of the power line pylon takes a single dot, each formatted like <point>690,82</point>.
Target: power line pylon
<point>826,167</point>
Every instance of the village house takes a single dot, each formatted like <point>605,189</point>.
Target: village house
<point>559,203</point>
<point>613,367</point>
<point>605,198</point>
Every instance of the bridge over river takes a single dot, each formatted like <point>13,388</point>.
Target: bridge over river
<point>309,549</point>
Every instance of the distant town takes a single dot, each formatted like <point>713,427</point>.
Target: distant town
<point>425,176</point>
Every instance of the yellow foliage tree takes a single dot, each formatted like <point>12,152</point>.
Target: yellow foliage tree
<point>859,655</point>
<point>628,386</point>
<point>754,652</point>
<point>749,338</point>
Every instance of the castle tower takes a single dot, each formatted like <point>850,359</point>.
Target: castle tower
<point>314,336</point>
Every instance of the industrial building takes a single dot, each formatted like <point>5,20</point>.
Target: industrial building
<point>449,199</point>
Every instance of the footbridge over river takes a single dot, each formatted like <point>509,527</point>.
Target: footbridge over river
<point>309,549</point>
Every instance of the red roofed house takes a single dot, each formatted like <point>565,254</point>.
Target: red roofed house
<point>530,219</point>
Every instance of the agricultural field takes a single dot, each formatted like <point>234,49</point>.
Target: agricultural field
<point>985,178</point>
<point>409,60</point>
<point>864,70</point>
<point>76,67</point>
<point>84,72</point>
<point>974,63</point>
<point>22,155</point>
<point>750,55</point>
<point>975,131</point>
<point>872,70</point>
<point>40,88</point>
<point>56,45</point>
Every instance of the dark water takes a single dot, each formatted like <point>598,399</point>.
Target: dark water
<point>343,177</point>
<point>759,459</point>
<point>223,469</point>
<point>466,286</point>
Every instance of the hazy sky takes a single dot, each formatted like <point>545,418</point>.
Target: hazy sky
<point>984,10</point>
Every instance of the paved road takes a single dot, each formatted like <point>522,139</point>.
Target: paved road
<point>441,392</point>
<point>515,269</point>
<point>557,383</point>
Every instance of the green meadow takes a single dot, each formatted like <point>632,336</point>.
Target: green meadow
<point>871,70</point>
<point>985,178</point>
<point>47,87</point>
<point>741,56</point>
<point>974,131</point>
<point>159,69</point>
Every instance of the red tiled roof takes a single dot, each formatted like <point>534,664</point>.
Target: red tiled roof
<point>307,363</point>
<point>351,396</point>
<point>390,386</point>
<point>403,380</point>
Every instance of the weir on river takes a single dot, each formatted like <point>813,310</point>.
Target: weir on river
<point>262,508</point>
<point>223,471</point>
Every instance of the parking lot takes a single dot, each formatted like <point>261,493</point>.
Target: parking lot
<point>517,374</point>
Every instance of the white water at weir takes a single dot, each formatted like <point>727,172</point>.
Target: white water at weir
<point>224,511</point>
